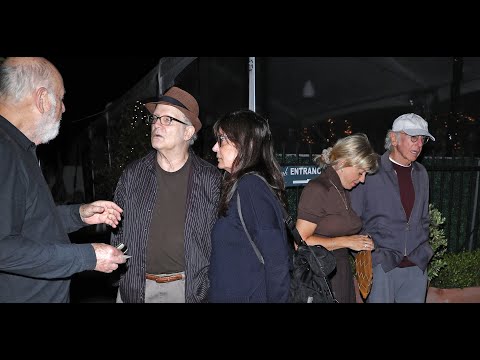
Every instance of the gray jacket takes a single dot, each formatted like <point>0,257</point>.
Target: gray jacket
<point>379,205</point>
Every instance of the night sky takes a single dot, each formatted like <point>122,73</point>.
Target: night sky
<point>90,83</point>
<point>93,81</point>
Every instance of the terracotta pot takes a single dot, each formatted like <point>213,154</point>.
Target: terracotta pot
<point>436,295</point>
<point>456,295</point>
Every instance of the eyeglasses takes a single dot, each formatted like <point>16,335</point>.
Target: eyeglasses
<point>414,138</point>
<point>164,119</point>
<point>221,138</point>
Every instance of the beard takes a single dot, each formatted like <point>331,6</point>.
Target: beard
<point>49,126</point>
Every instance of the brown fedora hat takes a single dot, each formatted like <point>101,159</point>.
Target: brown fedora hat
<point>181,100</point>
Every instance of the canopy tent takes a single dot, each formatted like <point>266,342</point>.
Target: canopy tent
<point>299,92</point>
<point>299,95</point>
<point>305,89</point>
<point>311,88</point>
<point>161,77</point>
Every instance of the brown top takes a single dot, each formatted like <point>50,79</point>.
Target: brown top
<point>166,238</point>
<point>321,203</point>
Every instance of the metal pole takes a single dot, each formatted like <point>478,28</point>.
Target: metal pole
<point>251,83</point>
<point>92,163</point>
<point>474,215</point>
<point>108,135</point>
<point>453,128</point>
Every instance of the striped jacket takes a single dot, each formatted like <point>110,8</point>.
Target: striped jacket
<point>135,194</point>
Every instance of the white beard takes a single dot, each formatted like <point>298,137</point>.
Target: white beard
<point>49,127</point>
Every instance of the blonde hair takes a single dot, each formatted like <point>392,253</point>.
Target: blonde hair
<point>353,150</point>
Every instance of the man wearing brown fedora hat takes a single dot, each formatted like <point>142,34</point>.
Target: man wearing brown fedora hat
<point>170,198</point>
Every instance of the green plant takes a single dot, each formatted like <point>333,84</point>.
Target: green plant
<point>462,270</point>
<point>131,141</point>
<point>438,242</point>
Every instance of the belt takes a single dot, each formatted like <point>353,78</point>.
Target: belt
<point>165,278</point>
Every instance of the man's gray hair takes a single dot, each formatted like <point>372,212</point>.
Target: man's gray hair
<point>194,136</point>
<point>388,141</point>
<point>19,78</point>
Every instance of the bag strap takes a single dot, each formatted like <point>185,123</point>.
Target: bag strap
<point>291,227</point>
<point>286,216</point>
<point>255,248</point>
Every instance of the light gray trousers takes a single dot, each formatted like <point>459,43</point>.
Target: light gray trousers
<point>171,292</point>
<point>400,285</point>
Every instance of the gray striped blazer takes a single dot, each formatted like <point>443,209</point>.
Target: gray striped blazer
<point>135,194</point>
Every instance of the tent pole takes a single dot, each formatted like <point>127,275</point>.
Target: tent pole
<point>251,83</point>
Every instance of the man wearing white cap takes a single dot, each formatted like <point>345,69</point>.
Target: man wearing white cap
<point>393,205</point>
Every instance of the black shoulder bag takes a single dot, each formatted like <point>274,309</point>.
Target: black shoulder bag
<point>309,281</point>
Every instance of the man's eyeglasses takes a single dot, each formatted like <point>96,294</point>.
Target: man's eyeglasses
<point>164,119</point>
<point>414,138</point>
<point>221,138</point>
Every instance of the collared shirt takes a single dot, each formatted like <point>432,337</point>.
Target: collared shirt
<point>36,256</point>
<point>325,202</point>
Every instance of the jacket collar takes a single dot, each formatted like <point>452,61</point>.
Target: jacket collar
<point>15,134</point>
<point>151,158</point>
<point>388,165</point>
<point>333,177</point>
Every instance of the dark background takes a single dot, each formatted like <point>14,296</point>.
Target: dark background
<point>91,82</point>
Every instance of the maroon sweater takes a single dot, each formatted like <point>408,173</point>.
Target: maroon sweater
<point>407,195</point>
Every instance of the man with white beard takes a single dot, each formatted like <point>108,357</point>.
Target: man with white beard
<point>37,258</point>
<point>51,126</point>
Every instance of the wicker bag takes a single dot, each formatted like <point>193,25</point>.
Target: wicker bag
<point>364,272</point>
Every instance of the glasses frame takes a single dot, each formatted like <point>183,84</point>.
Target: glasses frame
<point>221,138</point>
<point>414,138</point>
<point>153,118</point>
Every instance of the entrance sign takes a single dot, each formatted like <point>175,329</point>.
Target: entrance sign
<point>299,175</point>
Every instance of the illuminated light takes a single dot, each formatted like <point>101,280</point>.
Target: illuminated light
<point>308,89</point>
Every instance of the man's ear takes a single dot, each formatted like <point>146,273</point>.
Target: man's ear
<point>41,99</point>
<point>393,138</point>
<point>189,131</point>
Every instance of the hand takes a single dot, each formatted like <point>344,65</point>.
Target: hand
<point>101,212</point>
<point>362,242</point>
<point>108,257</point>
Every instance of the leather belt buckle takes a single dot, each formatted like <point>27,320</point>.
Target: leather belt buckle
<point>165,279</point>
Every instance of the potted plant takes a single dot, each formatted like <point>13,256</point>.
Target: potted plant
<point>438,242</point>
<point>453,277</point>
<point>458,281</point>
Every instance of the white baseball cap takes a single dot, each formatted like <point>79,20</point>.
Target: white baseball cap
<point>412,124</point>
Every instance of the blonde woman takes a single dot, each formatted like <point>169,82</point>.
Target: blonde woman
<point>325,215</point>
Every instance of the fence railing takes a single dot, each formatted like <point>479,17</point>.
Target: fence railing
<point>454,191</point>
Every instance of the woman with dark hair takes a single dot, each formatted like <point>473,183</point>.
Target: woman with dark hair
<point>251,255</point>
